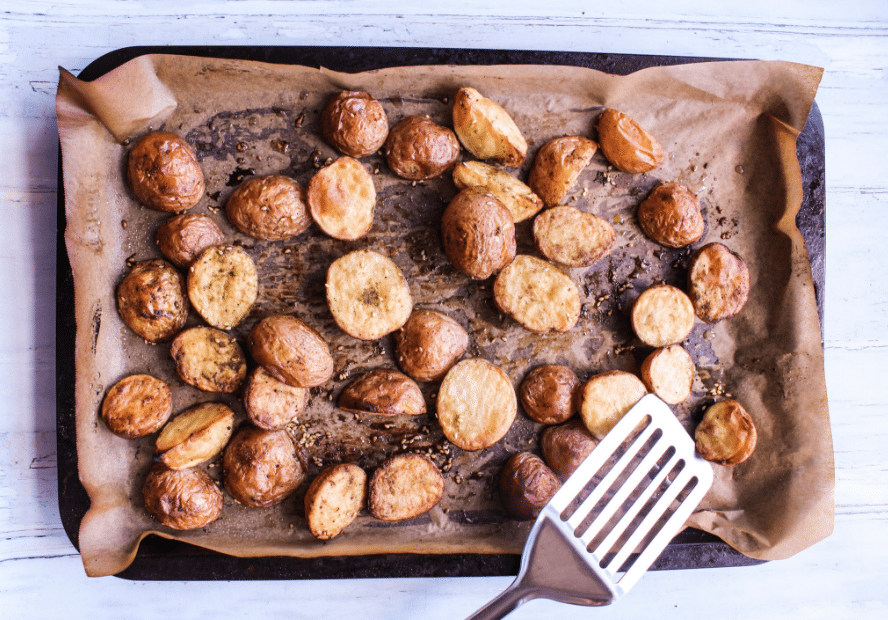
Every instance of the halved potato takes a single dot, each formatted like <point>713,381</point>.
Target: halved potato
<point>429,344</point>
<point>223,285</point>
<point>662,315</point>
<point>137,405</point>
<point>271,207</point>
<point>354,123</point>
<point>341,198</point>
<point>153,301</point>
<point>517,197</point>
<point>572,237</point>
<point>558,165</point>
<point>537,294</point>
<point>182,499</point>
<point>671,215</point>
<point>334,498</point>
<point>271,403</point>
<point>606,397</point>
<point>418,149</point>
<point>404,487</point>
<point>548,393</point>
<point>566,446</point>
<point>164,174</point>
<point>262,468</point>
<point>183,237</point>
<point>383,392</point>
<point>486,129</point>
<point>718,282</point>
<point>526,484</point>
<point>668,372</point>
<point>727,434</point>
<point>478,233</point>
<point>626,144</point>
<point>209,359</point>
<point>194,436</point>
<point>291,351</point>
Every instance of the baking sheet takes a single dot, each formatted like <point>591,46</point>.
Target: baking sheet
<point>520,374</point>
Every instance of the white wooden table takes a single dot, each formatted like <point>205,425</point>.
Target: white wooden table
<point>845,576</point>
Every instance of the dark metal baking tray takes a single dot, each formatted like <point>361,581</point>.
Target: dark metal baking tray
<point>161,559</point>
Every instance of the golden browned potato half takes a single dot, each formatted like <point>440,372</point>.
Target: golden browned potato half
<point>566,446</point>
<point>571,237</point>
<point>272,207</point>
<point>476,404</point>
<point>429,344</point>
<point>517,197</point>
<point>478,233</point>
<point>671,215</point>
<point>606,397</point>
<point>418,149</point>
<point>727,434</point>
<point>137,405</point>
<point>272,404</point>
<point>548,393</point>
<point>718,282</point>
<point>368,295</point>
<point>662,315</point>
<point>342,198</point>
<point>404,487</point>
<point>262,468</point>
<point>334,499</point>
<point>537,295</point>
<point>354,123</point>
<point>668,372</point>
<point>195,435</point>
<point>383,392</point>
<point>486,129</point>
<point>558,165</point>
<point>183,237</point>
<point>209,359</point>
<point>183,499</point>
<point>164,174</point>
<point>291,351</point>
<point>626,144</point>
<point>526,484</point>
<point>152,300</point>
<point>223,285</point>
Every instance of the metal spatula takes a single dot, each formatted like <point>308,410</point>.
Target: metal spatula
<point>613,517</point>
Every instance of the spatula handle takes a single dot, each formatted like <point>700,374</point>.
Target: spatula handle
<point>506,602</point>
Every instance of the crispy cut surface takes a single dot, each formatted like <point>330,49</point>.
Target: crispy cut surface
<point>476,404</point>
<point>718,282</point>
<point>478,233</point>
<point>517,197</point>
<point>662,315</point>
<point>194,436</point>
<point>404,487</point>
<point>429,344</point>
<point>626,144</point>
<point>291,351</point>
<point>354,123</point>
<point>137,405</point>
<point>152,300</point>
<point>223,285</point>
<point>606,397</point>
<point>565,446</point>
<point>548,393</point>
<point>671,216</point>
<point>342,197</point>
<point>164,174</point>
<point>334,498</point>
<point>526,484</point>
<point>571,237</point>
<point>183,237</point>
<point>209,359</point>
<point>727,434</point>
<point>271,207</point>
<point>668,372</point>
<point>368,295</point>
<point>418,149</point>
<point>486,129</point>
<point>558,165</point>
<point>537,294</point>
<point>262,468</point>
<point>184,499</point>
<point>272,404</point>
<point>383,391</point>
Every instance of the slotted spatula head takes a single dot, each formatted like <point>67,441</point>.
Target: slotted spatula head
<point>614,516</point>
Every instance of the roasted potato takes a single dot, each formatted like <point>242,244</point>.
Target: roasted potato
<point>429,344</point>
<point>209,359</point>
<point>517,197</point>
<point>223,285</point>
<point>334,499</point>
<point>152,300</point>
<point>354,123</point>
<point>606,397</point>
<point>272,207</point>
<point>626,144</point>
<point>272,404</point>
<point>718,283</point>
<point>341,198</point>
<point>671,215</point>
<point>478,233</point>
<point>537,295</point>
<point>164,174</point>
<point>418,149</point>
<point>566,446</point>
<point>368,295</point>
<point>486,129</point>
<point>183,237</point>
<point>195,435</point>
<point>182,499</point>
<point>668,372</point>
<point>136,406</point>
<point>404,487</point>
<point>290,351</point>
<point>549,393</point>
<point>558,165</point>
<point>262,468</point>
<point>383,392</point>
<point>526,484</point>
<point>727,434</point>
<point>662,315</point>
<point>571,237</point>
<point>476,404</point>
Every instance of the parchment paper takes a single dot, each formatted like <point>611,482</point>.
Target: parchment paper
<point>729,130</point>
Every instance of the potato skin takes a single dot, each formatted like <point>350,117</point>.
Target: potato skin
<point>183,237</point>
<point>153,301</point>
<point>183,499</point>
<point>272,404</point>
<point>478,233</point>
<point>137,405</point>
<point>558,165</point>
<point>209,359</point>
<point>526,484</point>
<point>354,123</point>
<point>671,215</point>
<point>566,446</point>
<point>261,468</point>
<point>549,393</point>
<point>727,434</point>
<point>272,207</point>
<point>164,174</point>
<point>718,283</point>
<point>382,391</point>
<point>419,149</point>
<point>290,351</point>
<point>429,344</point>
<point>626,144</point>
<point>517,197</point>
